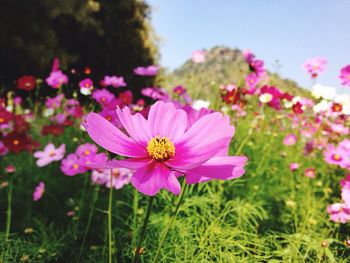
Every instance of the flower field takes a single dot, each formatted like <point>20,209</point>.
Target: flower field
<point>95,172</point>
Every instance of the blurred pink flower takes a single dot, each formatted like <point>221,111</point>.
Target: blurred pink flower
<point>3,149</point>
<point>39,191</point>
<point>314,66</point>
<point>339,213</point>
<point>56,79</point>
<point>345,76</point>
<point>310,172</point>
<point>87,149</point>
<point>293,166</point>
<point>290,139</point>
<point>162,146</point>
<point>103,96</point>
<point>120,177</point>
<point>336,155</point>
<point>72,166</point>
<point>198,56</point>
<point>252,80</point>
<point>146,71</point>
<point>10,169</point>
<point>114,81</point>
<point>50,154</point>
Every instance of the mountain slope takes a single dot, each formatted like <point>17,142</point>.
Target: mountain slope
<point>223,65</point>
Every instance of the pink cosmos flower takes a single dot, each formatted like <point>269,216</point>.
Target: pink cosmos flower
<point>86,86</point>
<point>17,100</point>
<point>50,154</point>
<point>252,80</point>
<point>72,166</point>
<point>146,71</point>
<point>120,177</point>
<point>55,102</point>
<point>87,149</point>
<point>114,81</point>
<point>336,155</point>
<point>345,76</point>
<point>293,166</point>
<point>3,149</point>
<point>310,172</point>
<point>10,169</point>
<point>56,79</point>
<point>103,96</point>
<point>39,191</point>
<point>198,56</point>
<point>339,213</point>
<point>345,144</point>
<point>248,56</point>
<point>314,66</point>
<point>155,93</point>
<point>290,139</point>
<point>162,147</point>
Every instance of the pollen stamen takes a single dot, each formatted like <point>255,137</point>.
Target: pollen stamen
<point>160,148</point>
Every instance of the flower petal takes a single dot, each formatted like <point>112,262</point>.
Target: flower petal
<point>222,168</point>
<point>111,138</point>
<point>153,177</point>
<point>165,120</point>
<point>132,164</point>
<point>206,138</point>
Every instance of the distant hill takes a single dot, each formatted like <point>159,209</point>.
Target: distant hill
<point>223,65</point>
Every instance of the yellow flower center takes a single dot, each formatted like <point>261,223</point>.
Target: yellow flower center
<point>87,152</point>
<point>15,142</point>
<point>116,173</point>
<point>2,120</point>
<point>52,154</point>
<point>336,157</point>
<point>160,148</point>
<point>75,166</point>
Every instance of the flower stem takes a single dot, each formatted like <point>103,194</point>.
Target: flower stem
<point>143,230</point>
<point>92,208</point>
<point>110,220</point>
<point>9,207</point>
<point>134,223</point>
<point>165,232</point>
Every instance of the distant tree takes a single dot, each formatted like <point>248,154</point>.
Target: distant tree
<point>109,36</point>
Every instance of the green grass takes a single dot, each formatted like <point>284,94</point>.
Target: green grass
<point>268,215</point>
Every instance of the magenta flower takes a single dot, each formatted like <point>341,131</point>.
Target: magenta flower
<point>310,172</point>
<point>198,56</point>
<point>39,191</point>
<point>71,165</point>
<point>339,213</point>
<point>56,79</point>
<point>3,149</point>
<point>103,96</point>
<point>345,76</point>
<point>252,80</point>
<point>155,93</point>
<point>293,166</point>
<point>50,154</point>
<point>114,81</point>
<point>92,158</point>
<point>146,71</point>
<point>336,155</point>
<point>290,139</point>
<point>55,102</point>
<point>86,86</point>
<point>248,56</point>
<point>162,147</point>
<point>314,66</point>
<point>120,177</point>
<point>87,149</point>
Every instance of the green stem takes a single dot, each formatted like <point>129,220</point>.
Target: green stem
<point>89,219</point>
<point>143,230</point>
<point>134,223</point>
<point>165,233</point>
<point>110,219</point>
<point>9,207</point>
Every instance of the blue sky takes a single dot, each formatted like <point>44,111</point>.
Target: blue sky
<point>288,30</point>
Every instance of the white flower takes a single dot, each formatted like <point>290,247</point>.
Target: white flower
<point>265,97</point>
<point>85,91</point>
<point>322,106</point>
<point>199,104</point>
<point>320,91</point>
<point>48,112</point>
